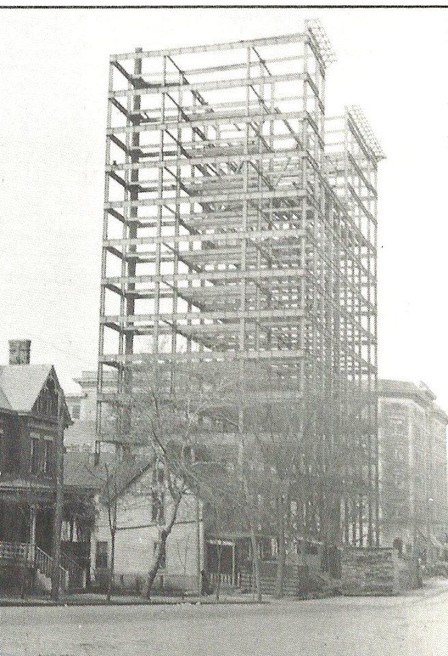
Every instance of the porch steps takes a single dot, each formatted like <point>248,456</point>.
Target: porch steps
<point>33,558</point>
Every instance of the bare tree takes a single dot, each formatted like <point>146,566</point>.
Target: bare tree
<point>110,495</point>
<point>289,449</point>
<point>169,409</point>
<point>295,439</point>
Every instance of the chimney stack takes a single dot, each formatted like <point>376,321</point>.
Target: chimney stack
<point>19,351</point>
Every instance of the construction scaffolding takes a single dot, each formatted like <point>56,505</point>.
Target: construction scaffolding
<point>235,229</point>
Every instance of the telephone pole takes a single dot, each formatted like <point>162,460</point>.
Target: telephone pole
<point>59,502</point>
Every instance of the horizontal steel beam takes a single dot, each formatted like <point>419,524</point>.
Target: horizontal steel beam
<point>299,37</point>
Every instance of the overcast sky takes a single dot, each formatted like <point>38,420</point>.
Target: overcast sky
<point>53,83</point>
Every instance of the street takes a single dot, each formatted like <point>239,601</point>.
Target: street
<point>383,626</point>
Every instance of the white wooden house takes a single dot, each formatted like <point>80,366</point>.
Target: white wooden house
<point>143,504</point>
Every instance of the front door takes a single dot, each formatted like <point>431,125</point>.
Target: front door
<point>44,529</point>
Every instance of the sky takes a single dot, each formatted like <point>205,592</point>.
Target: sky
<point>53,85</point>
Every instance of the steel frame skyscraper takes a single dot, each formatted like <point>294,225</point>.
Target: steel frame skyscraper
<point>240,224</point>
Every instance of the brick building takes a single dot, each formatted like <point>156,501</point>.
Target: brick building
<point>413,469</point>
<point>32,405</point>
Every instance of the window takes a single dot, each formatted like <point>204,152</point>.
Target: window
<point>48,453</point>
<point>398,545</point>
<point>311,548</point>
<point>101,555</point>
<point>51,399</point>
<point>76,411</point>
<point>398,426</point>
<point>34,460</point>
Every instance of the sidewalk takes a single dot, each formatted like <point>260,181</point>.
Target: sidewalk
<point>94,599</point>
<point>431,588</point>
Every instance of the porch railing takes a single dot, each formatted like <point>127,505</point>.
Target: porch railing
<point>16,551</point>
<point>224,579</point>
<point>26,553</point>
<point>44,563</point>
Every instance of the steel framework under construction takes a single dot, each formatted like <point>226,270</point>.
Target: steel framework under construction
<point>240,224</point>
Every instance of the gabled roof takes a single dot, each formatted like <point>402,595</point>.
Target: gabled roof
<point>4,403</point>
<point>81,472</point>
<point>22,383</point>
<point>123,474</point>
<point>82,431</point>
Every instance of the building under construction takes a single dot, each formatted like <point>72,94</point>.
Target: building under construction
<point>240,224</point>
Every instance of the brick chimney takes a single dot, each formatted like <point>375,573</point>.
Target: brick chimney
<point>19,351</point>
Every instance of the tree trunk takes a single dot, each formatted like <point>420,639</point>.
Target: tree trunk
<point>253,538</point>
<point>161,551</point>
<point>281,556</point>
<point>112,565</point>
<point>218,582</point>
<point>255,562</point>
<point>162,548</point>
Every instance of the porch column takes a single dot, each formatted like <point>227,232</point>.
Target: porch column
<point>32,538</point>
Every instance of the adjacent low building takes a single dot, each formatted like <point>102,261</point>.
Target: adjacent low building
<point>413,469</point>
<point>81,436</point>
<point>137,492</point>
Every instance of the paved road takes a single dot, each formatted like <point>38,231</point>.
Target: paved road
<point>416,625</point>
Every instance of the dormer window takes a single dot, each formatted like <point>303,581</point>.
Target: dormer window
<point>51,398</point>
<point>47,403</point>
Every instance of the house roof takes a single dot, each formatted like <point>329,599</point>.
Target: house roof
<point>20,385</point>
<point>4,403</point>
<point>81,472</point>
<point>82,431</point>
<point>124,474</point>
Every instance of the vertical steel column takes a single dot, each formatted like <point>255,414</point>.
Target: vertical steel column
<point>160,196</point>
<point>100,372</point>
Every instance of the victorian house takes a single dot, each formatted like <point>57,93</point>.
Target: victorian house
<point>33,416</point>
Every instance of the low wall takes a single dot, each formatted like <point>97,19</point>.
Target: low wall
<point>299,581</point>
<point>369,571</point>
<point>409,574</point>
<point>377,571</point>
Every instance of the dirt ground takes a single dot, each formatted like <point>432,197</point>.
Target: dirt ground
<point>384,626</point>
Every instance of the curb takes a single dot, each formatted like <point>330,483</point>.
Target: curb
<point>100,602</point>
<point>425,592</point>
